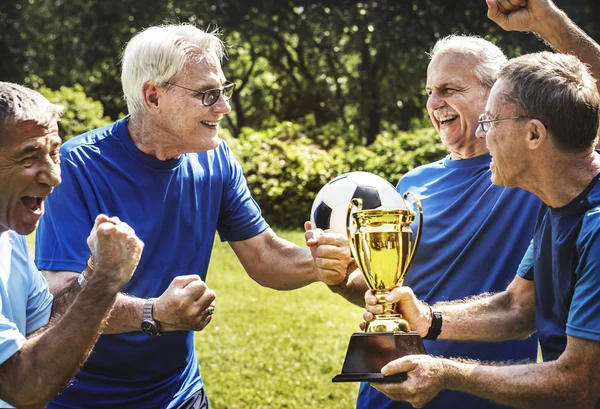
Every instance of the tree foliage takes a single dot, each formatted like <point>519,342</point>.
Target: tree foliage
<point>361,64</point>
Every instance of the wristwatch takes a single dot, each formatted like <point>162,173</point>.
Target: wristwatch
<point>149,326</point>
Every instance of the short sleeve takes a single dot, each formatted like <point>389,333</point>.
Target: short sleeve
<point>584,313</point>
<point>39,300</point>
<point>11,340</point>
<point>525,269</point>
<point>240,217</point>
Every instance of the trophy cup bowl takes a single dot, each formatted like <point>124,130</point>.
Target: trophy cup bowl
<point>382,244</point>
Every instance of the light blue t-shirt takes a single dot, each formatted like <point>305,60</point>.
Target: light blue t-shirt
<point>474,236</point>
<point>175,207</point>
<point>25,302</point>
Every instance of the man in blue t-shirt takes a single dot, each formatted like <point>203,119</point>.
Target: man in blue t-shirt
<point>540,125</point>
<point>163,170</point>
<point>37,359</point>
<point>464,213</point>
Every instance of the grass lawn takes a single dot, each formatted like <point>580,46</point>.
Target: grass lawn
<point>268,349</point>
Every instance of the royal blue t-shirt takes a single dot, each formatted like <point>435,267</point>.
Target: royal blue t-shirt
<point>566,272</point>
<point>474,236</point>
<point>175,207</point>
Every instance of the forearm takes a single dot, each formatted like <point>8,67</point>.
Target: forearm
<point>562,34</point>
<point>274,262</point>
<point>544,385</point>
<point>490,318</point>
<point>353,289</point>
<point>46,362</point>
<point>126,314</point>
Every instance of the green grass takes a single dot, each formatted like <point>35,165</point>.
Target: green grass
<point>271,349</point>
<point>268,349</point>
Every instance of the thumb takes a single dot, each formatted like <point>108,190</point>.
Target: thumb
<point>184,281</point>
<point>307,226</point>
<point>400,365</point>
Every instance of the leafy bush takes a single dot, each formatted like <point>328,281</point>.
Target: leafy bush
<point>285,166</point>
<point>82,113</point>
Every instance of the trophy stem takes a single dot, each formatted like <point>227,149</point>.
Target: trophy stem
<point>388,307</point>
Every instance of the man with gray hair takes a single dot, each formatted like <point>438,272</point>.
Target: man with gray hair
<point>540,124</point>
<point>465,215</point>
<point>37,359</point>
<point>164,170</point>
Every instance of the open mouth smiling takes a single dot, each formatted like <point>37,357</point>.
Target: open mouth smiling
<point>33,203</point>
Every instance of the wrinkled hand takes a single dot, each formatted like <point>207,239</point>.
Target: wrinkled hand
<point>331,255</point>
<point>188,304</point>
<point>520,15</point>
<point>116,252</point>
<point>415,312</point>
<point>426,378</point>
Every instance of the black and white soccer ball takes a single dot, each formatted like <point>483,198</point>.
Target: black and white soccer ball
<point>330,207</point>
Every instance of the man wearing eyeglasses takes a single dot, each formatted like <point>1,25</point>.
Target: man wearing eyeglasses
<point>550,107</point>
<point>540,125</point>
<point>475,233</point>
<point>163,170</point>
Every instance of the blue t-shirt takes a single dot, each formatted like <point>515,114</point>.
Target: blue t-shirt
<point>25,301</point>
<point>474,236</point>
<point>566,272</point>
<point>175,207</point>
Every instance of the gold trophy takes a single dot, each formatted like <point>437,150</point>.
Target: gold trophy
<point>382,244</point>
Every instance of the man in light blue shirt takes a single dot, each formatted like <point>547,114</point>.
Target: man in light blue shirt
<point>36,359</point>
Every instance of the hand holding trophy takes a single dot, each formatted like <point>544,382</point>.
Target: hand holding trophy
<point>382,244</point>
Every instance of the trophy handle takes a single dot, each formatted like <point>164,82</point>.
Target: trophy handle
<point>358,203</point>
<point>419,225</point>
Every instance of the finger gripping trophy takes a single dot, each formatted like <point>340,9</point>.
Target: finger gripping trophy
<point>382,244</point>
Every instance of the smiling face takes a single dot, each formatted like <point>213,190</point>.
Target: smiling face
<point>29,170</point>
<point>456,99</point>
<point>191,126</point>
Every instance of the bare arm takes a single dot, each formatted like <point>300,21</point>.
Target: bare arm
<point>184,305</point>
<point>126,314</point>
<point>36,366</point>
<point>570,382</point>
<point>493,318</point>
<point>49,359</point>
<point>551,24</point>
<point>274,262</point>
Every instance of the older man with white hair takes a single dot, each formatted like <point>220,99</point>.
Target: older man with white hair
<point>164,170</point>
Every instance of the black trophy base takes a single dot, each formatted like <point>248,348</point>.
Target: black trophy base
<point>369,352</point>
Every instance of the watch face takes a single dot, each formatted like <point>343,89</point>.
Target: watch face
<point>150,328</point>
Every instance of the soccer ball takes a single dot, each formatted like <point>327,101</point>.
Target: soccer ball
<point>330,207</point>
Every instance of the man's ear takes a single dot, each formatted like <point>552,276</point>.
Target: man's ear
<point>151,93</point>
<point>537,134</point>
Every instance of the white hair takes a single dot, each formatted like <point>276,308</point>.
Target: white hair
<point>489,56</point>
<point>20,104</point>
<point>158,54</point>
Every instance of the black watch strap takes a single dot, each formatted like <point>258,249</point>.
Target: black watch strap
<point>436,325</point>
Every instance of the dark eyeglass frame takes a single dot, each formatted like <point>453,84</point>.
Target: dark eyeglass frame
<point>486,124</point>
<point>226,90</point>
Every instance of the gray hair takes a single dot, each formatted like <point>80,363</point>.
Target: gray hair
<point>20,104</point>
<point>559,91</point>
<point>158,54</point>
<point>489,56</point>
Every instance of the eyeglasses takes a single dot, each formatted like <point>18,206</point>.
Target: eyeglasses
<point>211,96</point>
<point>486,123</point>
